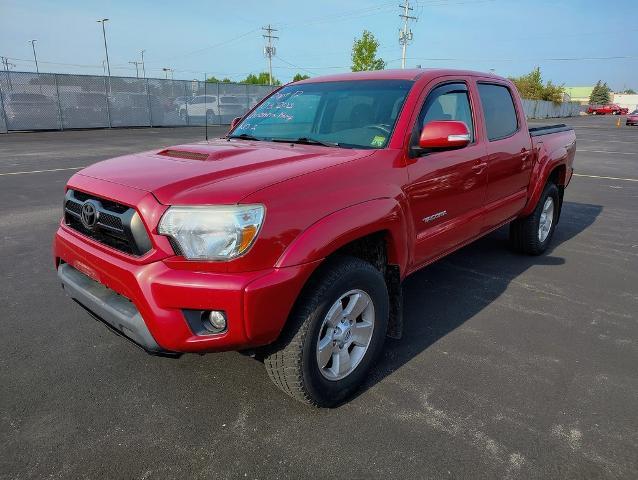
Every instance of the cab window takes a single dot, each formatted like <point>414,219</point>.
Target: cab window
<point>448,102</point>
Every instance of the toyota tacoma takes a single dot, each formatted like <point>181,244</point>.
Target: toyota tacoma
<point>290,236</point>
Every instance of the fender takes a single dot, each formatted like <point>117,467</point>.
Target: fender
<point>344,226</point>
<point>547,162</point>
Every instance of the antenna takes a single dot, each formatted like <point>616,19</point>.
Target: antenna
<point>405,35</point>
<point>269,49</point>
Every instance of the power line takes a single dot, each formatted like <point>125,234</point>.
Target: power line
<point>269,49</point>
<point>209,47</point>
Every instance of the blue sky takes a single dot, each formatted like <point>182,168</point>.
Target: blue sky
<point>224,38</point>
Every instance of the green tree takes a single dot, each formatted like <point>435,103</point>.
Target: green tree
<point>601,94</point>
<point>531,87</point>
<point>214,79</point>
<point>629,91</point>
<point>261,79</point>
<point>364,53</point>
<point>299,76</point>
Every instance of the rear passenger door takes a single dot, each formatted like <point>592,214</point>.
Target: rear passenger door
<point>509,161</point>
<point>446,188</point>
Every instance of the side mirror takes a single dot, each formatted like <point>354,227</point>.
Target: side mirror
<point>444,134</point>
<point>235,122</point>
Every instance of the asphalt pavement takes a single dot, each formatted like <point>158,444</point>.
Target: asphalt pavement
<point>510,366</point>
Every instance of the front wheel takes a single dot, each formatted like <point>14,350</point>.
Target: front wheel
<point>532,234</point>
<point>334,334</point>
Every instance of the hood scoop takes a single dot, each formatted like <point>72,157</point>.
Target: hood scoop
<point>185,154</point>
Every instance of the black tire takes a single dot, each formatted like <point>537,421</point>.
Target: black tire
<point>524,232</point>
<point>210,116</point>
<point>292,363</point>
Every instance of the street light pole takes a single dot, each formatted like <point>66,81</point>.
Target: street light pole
<point>35,57</point>
<point>106,49</point>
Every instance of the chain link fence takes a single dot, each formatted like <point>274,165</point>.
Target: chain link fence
<point>31,101</point>
<point>45,101</point>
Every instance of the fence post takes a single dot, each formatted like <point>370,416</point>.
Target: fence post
<point>188,117</point>
<point>148,98</point>
<point>3,112</point>
<point>57,93</point>
<point>108,103</point>
<point>219,108</point>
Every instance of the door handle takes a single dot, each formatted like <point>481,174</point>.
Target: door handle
<point>479,167</point>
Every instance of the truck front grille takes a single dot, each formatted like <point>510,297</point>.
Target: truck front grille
<point>113,224</point>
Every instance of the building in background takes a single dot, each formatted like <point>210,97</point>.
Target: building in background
<point>626,101</point>
<point>579,94</point>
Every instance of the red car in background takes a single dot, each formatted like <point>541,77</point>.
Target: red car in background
<point>611,108</point>
<point>632,118</point>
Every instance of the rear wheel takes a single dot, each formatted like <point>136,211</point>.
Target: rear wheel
<point>532,234</point>
<point>210,116</point>
<point>334,334</point>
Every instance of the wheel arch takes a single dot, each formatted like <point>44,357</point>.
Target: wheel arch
<point>551,166</point>
<point>374,231</point>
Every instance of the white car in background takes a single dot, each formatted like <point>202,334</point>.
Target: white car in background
<point>222,109</point>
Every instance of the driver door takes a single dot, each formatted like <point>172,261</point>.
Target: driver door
<point>446,189</point>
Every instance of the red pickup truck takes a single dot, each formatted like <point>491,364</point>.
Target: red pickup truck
<point>290,237</point>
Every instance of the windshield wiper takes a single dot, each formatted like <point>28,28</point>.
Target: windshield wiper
<point>244,136</point>
<point>305,141</point>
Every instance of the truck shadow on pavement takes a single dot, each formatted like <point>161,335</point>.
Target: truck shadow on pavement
<point>446,294</point>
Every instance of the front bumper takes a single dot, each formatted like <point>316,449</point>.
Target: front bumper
<point>145,302</point>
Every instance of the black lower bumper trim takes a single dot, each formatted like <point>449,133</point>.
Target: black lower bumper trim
<point>116,312</point>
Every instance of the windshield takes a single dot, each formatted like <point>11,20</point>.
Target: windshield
<point>355,114</point>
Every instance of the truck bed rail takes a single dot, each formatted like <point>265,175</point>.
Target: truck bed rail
<point>547,129</point>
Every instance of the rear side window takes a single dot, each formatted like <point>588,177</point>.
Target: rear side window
<point>498,107</point>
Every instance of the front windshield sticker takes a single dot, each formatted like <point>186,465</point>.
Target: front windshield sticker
<point>378,141</point>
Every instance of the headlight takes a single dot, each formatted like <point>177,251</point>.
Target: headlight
<point>212,233</point>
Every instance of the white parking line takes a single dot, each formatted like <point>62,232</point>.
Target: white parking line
<point>606,178</point>
<point>40,171</point>
<point>606,151</point>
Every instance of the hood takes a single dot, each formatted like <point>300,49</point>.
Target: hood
<point>218,171</point>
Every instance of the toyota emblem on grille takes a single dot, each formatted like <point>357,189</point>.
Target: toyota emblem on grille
<point>89,215</point>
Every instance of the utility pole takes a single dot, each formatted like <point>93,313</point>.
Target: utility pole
<point>166,70</point>
<point>269,49</point>
<point>7,64</point>
<point>35,57</point>
<point>405,34</point>
<point>143,67</point>
<point>137,72</point>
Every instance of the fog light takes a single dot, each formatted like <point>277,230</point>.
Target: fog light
<point>217,320</point>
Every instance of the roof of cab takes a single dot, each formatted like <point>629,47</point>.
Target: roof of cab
<point>397,74</point>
